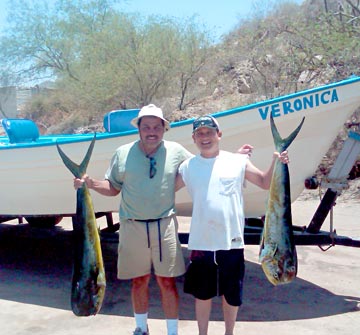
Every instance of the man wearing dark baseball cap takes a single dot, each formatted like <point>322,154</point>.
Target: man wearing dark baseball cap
<point>214,180</point>
<point>207,121</point>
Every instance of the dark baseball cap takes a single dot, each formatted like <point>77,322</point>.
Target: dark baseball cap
<point>205,121</point>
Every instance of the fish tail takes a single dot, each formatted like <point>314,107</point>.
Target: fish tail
<point>282,144</point>
<point>78,170</point>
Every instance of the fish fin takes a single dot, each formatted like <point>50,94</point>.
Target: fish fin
<point>282,144</point>
<point>275,250</point>
<point>84,164</point>
<point>262,243</point>
<point>77,170</point>
<point>295,261</point>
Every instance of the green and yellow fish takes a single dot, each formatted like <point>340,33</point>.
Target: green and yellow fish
<point>88,279</point>
<point>277,247</point>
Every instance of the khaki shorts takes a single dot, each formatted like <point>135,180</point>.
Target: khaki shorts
<point>140,251</point>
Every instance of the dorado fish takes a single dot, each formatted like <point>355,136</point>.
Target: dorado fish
<point>277,247</point>
<point>88,279</point>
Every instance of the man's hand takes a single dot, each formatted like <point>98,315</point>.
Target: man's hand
<point>283,157</point>
<point>246,149</point>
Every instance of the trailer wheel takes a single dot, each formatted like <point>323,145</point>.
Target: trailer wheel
<point>43,221</point>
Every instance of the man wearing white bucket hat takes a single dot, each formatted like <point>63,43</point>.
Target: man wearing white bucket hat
<point>145,171</point>
<point>150,110</point>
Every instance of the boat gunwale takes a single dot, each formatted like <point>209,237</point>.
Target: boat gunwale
<point>52,139</point>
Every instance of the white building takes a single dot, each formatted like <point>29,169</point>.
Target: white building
<point>12,98</point>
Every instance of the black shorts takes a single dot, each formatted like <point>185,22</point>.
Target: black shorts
<point>216,273</point>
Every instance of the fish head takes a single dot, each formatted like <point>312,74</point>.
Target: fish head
<point>279,270</point>
<point>271,270</point>
<point>289,266</point>
<point>88,293</point>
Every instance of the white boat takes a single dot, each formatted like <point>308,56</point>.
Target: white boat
<point>34,181</point>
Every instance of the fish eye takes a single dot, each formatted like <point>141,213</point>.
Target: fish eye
<point>274,274</point>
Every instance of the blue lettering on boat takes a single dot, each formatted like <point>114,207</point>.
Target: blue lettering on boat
<point>299,104</point>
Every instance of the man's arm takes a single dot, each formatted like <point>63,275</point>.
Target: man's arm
<point>103,187</point>
<point>179,182</point>
<point>261,178</point>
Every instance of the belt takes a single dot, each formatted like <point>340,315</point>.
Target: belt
<point>148,220</point>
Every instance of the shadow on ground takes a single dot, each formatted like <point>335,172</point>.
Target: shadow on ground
<point>36,266</point>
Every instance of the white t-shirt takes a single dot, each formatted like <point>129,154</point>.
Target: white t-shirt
<point>216,188</point>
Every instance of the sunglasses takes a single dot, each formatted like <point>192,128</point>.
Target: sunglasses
<point>152,171</point>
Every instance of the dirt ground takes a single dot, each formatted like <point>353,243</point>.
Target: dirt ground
<point>36,265</point>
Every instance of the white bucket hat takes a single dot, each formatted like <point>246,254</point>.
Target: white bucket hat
<point>150,110</point>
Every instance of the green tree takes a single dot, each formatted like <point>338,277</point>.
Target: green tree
<point>194,51</point>
<point>42,41</point>
<point>101,58</point>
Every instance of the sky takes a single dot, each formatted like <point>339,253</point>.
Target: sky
<point>219,16</point>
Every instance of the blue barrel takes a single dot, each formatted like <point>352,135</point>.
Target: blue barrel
<point>119,120</point>
<point>20,130</point>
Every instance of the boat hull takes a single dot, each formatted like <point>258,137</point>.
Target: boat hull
<point>33,180</point>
